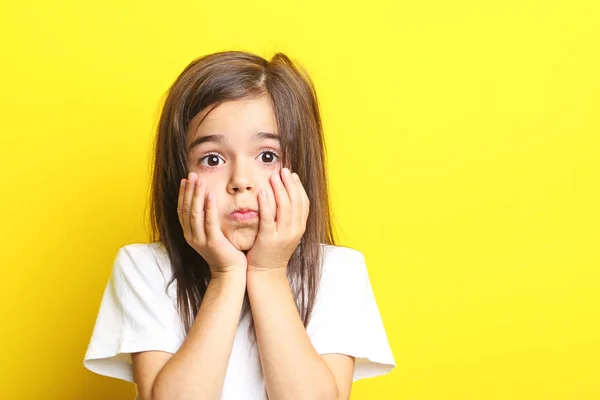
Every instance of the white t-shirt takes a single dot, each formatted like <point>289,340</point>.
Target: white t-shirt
<point>137,315</point>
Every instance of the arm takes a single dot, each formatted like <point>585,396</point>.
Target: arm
<point>197,370</point>
<point>291,366</point>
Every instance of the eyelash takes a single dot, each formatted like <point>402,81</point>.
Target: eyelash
<point>218,155</point>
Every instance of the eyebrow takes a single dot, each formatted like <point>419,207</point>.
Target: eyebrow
<point>221,139</point>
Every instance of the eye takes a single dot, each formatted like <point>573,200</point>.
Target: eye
<point>268,157</point>
<point>211,160</point>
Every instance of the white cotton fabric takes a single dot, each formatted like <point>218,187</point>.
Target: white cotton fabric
<point>137,315</point>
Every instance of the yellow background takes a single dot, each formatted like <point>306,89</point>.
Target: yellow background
<point>463,144</point>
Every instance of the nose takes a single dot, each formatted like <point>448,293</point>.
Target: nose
<point>240,179</point>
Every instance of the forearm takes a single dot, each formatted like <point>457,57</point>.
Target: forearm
<point>291,366</point>
<point>197,370</point>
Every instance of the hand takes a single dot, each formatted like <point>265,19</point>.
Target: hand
<point>277,239</point>
<point>199,217</point>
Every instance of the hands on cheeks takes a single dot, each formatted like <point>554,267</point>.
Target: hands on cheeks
<point>199,218</point>
<point>280,229</point>
<point>281,225</point>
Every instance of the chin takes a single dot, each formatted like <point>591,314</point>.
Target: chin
<point>242,239</point>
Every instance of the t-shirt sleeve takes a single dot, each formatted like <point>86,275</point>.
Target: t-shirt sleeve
<point>346,319</point>
<point>135,315</point>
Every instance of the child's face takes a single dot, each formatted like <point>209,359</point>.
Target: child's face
<point>238,164</point>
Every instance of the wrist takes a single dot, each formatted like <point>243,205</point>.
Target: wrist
<point>265,282</point>
<point>266,273</point>
<point>230,284</point>
<point>232,274</point>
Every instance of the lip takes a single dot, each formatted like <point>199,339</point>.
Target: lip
<point>243,214</point>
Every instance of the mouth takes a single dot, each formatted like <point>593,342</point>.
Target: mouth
<point>243,215</point>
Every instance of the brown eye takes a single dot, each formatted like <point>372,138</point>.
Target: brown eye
<point>211,160</point>
<point>268,157</point>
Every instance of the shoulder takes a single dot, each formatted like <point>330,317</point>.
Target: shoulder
<point>142,250</point>
<point>342,258</point>
<point>343,263</point>
<point>147,261</point>
<point>346,318</point>
<point>136,312</point>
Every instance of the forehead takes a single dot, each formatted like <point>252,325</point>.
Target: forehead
<point>236,120</point>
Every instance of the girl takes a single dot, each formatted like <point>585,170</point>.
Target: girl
<point>242,294</point>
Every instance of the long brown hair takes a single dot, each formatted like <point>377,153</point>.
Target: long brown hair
<point>207,82</point>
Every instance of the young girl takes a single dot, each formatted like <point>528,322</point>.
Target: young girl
<point>243,293</point>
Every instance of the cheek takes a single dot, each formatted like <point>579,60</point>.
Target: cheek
<point>212,185</point>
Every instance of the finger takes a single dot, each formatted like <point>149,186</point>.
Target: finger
<point>283,201</point>
<point>303,198</point>
<point>265,212</point>
<point>272,203</point>
<point>197,212</point>
<point>211,218</point>
<point>187,201</point>
<point>291,186</point>
<point>180,200</point>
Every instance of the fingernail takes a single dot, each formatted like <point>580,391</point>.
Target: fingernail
<point>277,178</point>
<point>190,176</point>
<point>263,192</point>
<point>295,176</point>
<point>286,171</point>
